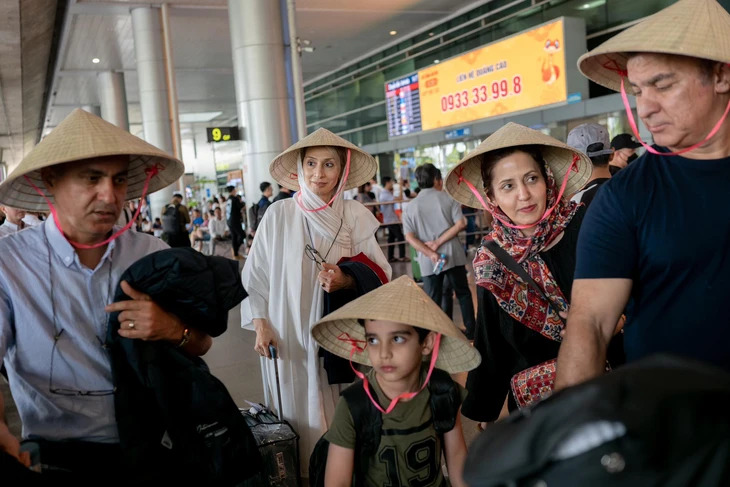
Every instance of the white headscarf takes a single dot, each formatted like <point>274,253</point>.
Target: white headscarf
<point>328,220</point>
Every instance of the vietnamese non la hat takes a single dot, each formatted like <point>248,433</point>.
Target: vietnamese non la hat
<point>400,301</point>
<point>82,136</point>
<point>694,28</point>
<point>284,167</point>
<point>557,155</point>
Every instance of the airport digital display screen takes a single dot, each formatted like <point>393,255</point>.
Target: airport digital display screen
<point>403,104</point>
<point>519,73</point>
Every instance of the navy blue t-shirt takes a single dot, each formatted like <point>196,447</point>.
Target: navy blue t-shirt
<point>664,222</point>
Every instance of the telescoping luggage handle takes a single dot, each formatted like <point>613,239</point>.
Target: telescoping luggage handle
<point>274,357</point>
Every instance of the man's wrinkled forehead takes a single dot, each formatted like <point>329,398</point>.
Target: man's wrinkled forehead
<point>107,165</point>
<point>648,68</point>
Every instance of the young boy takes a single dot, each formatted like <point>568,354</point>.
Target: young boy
<point>406,338</point>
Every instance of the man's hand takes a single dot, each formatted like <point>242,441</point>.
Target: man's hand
<point>142,318</point>
<point>333,279</point>
<point>10,445</point>
<point>433,245</point>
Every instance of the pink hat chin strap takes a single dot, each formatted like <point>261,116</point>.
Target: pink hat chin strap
<point>150,171</point>
<point>612,65</point>
<point>365,383</point>
<point>298,197</point>
<point>573,167</point>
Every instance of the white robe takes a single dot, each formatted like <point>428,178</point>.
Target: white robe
<point>283,288</point>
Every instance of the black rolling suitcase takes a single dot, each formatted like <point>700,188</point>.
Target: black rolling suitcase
<point>277,441</point>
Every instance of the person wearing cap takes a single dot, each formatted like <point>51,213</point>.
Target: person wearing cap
<point>592,140</point>
<point>657,235</point>
<point>175,221</point>
<point>624,152</point>
<point>57,284</point>
<point>294,269</point>
<point>521,176</point>
<point>408,342</point>
<point>13,220</point>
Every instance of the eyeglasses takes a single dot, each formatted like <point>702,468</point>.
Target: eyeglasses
<point>72,392</point>
<point>314,255</point>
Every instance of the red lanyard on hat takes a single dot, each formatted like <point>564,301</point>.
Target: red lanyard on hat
<point>573,167</point>
<point>150,171</point>
<point>406,395</point>
<point>612,65</point>
<point>298,197</point>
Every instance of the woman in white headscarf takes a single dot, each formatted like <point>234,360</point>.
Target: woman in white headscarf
<point>293,262</point>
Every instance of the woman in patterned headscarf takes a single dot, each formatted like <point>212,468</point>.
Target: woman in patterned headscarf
<point>513,175</point>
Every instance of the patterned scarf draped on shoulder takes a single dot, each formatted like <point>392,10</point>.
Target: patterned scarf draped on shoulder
<point>514,296</point>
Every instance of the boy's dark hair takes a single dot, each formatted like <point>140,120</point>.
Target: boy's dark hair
<point>427,175</point>
<point>422,332</point>
<point>264,186</point>
<point>385,180</point>
<point>230,188</point>
<point>598,161</point>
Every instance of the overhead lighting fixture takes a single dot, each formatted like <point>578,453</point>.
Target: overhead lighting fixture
<point>436,61</point>
<point>591,4</point>
<point>198,117</point>
<point>430,34</point>
<point>96,60</point>
<point>393,32</point>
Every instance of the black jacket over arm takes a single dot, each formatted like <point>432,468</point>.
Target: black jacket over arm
<point>367,276</point>
<point>175,419</point>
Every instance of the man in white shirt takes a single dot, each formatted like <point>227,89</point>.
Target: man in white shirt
<point>13,221</point>
<point>217,226</point>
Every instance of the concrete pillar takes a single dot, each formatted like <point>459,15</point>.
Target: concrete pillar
<point>93,109</point>
<point>153,90</point>
<point>258,50</point>
<point>113,98</point>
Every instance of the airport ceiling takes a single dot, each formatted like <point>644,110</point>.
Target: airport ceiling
<point>47,48</point>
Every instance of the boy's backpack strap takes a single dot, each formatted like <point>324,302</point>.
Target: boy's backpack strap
<point>445,401</point>
<point>368,425</point>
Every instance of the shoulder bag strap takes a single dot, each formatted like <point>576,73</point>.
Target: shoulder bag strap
<point>512,265</point>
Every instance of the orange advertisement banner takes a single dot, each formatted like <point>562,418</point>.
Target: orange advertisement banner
<point>519,73</point>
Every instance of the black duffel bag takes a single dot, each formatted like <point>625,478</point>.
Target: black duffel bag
<point>663,421</point>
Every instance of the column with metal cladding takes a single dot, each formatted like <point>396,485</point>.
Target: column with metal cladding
<point>258,50</point>
<point>113,98</point>
<point>153,95</point>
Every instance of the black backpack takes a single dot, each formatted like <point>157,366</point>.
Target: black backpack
<point>660,421</point>
<point>445,403</point>
<point>172,220</point>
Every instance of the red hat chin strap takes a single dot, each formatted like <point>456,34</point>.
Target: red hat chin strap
<point>150,171</point>
<point>365,383</point>
<point>612,65</point>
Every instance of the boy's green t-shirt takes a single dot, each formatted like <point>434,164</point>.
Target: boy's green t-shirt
<point>409,451</point>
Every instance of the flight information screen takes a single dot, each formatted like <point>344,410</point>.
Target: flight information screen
<point>522,72</point>
<point>403,104</point>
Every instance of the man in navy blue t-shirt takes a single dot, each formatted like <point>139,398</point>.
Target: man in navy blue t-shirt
<point>657,235</point>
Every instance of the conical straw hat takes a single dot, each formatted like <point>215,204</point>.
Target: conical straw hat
<point>284,168</point>
<point>400,301</point>
<point>695,28</point>
<point>557,155</point>
<point>81,136</point>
